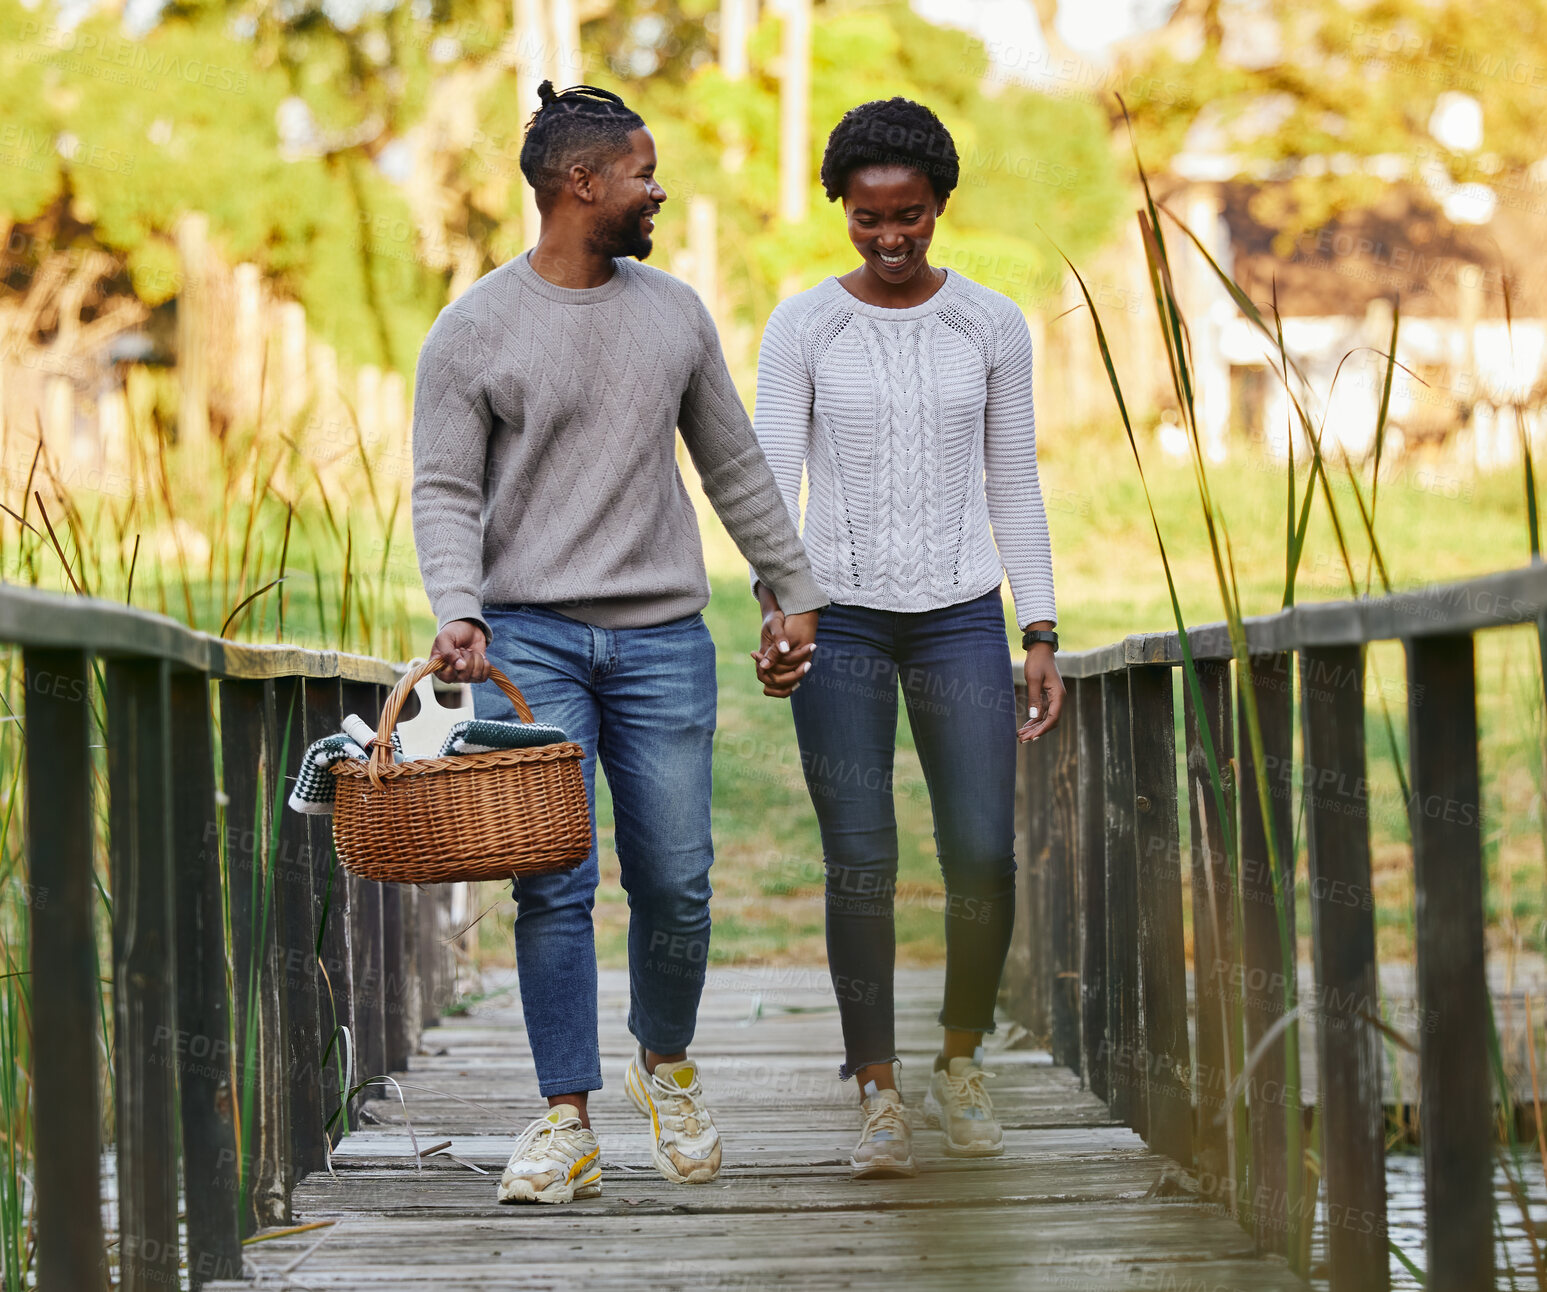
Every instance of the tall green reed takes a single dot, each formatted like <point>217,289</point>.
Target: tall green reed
<point>260,538</point>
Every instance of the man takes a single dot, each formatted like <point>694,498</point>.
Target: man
<point>557,541</point>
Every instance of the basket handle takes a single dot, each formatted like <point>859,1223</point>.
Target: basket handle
<point>381,747</point>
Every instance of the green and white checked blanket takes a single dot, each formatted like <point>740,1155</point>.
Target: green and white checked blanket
<point>314,784</point>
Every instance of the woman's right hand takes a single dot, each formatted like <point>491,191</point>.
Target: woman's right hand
<point>463,647</point>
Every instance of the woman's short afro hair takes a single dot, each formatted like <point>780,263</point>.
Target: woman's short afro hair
<point>890,132</point>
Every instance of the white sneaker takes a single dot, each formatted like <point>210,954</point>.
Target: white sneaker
<point>959,1105</point>
<point>555,1160</point>
<point>885,1146</point>
<point>687,1145</point>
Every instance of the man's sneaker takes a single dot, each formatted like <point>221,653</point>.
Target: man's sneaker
<point>885,1146</point>
<point>556,1160</point>
<point>960,1106</point>
<point>687,1145</point>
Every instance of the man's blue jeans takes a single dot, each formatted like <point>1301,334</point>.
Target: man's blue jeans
<point>643,700</point>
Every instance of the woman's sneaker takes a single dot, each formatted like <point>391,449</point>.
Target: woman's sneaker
<point>960,1106</point>
<point>885,1146</point>
<point>686,1149</point>
<point>555,1160</point>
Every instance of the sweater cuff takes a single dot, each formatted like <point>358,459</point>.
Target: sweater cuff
<point>1036,613</point>
<point>797,594</point>
<point>461,606</point>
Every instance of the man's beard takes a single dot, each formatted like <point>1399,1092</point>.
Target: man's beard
<point>622,236</point>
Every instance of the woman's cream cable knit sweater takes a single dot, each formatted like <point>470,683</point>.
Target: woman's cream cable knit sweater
<point>916,429</point>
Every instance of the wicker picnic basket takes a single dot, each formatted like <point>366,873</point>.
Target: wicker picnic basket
<point>465,817</point>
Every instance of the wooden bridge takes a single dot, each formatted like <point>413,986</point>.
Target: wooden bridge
<point>1143,1151</point>
<point>1076,1202</point>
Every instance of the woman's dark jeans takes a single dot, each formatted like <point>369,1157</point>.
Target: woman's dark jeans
<point>954,666</point>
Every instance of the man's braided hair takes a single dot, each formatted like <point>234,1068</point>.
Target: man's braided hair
<point>581,125</point>
<point>890,132</point>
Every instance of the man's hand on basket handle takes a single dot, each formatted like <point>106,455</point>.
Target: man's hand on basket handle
<point>463,646</point>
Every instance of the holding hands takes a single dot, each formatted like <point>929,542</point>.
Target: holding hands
<point>788,642</point>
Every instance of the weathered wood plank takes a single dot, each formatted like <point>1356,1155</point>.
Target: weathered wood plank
<point>1066,1206</point>
<point>368,1014</point>
<point>397,1042</point>
<point>1268,946</point>
<point>297,930</point>
<point>1343,938</point>
<point>1161,947</point>
<point>1441,609</point>
<point>1126,1084</point>
<point>248,776</point>
<point>1015,988</point>
<point>322,716</point>
<point>1091,859</point>
<point>211,1186</point>
<point>66,1101</point>
<point>139,763</point>
<point>33,618</point>
<point>1446,815</point>
<point>1063,890</point>
<point>1034,790</point>
<point>1216,955</point>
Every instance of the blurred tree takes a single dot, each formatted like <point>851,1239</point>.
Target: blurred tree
<point>365,152</point>
<point>1338,101</point>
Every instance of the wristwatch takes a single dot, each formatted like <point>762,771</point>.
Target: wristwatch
<point>1039,635</point>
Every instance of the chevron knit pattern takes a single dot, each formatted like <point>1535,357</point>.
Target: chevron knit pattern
<point>545,466</point>
<point>916,432</point>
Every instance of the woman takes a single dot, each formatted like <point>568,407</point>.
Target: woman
<point>904,391</point>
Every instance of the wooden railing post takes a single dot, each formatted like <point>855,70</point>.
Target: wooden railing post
<point>1034,804</point>
<point>1063,907</point>
<point>432,998</point>
<point>139,759</point>
<point>1446,815</point>
<point>1343,937</point>
<point>1095,1053</point>
<point>397,1043</point>
<point>211,1182</point>
<point>66,1102</point>
<point>448,950</point>
<point>297,928</point>
<point>1152,719</point>
<point>1125,1038</point>
<point>413,982</point>
<point>1216,961</point>
<point>1269,952</point>
<point>330,914</point>
<point>365,940</point>
<point>248,757</point>
<point>1018,988</point>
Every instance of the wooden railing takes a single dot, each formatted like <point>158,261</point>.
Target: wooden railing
<point>1099,964</point>
<point>197,1047</point>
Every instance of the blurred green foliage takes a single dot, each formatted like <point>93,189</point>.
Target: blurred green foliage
<point>1351,89</point>
<point>324,147</point>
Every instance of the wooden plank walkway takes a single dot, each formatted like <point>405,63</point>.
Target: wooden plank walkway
<point>1073,1204</point>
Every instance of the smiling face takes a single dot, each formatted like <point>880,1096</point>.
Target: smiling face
<point>891,212</point>
<point>627,201</point>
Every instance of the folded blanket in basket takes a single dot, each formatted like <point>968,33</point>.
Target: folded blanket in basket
<point>313,792</point>
<point>482,735</point>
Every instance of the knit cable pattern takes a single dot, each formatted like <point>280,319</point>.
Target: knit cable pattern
<point>916,432</point>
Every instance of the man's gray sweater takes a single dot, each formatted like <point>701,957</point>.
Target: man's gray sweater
<point>545,467</point>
